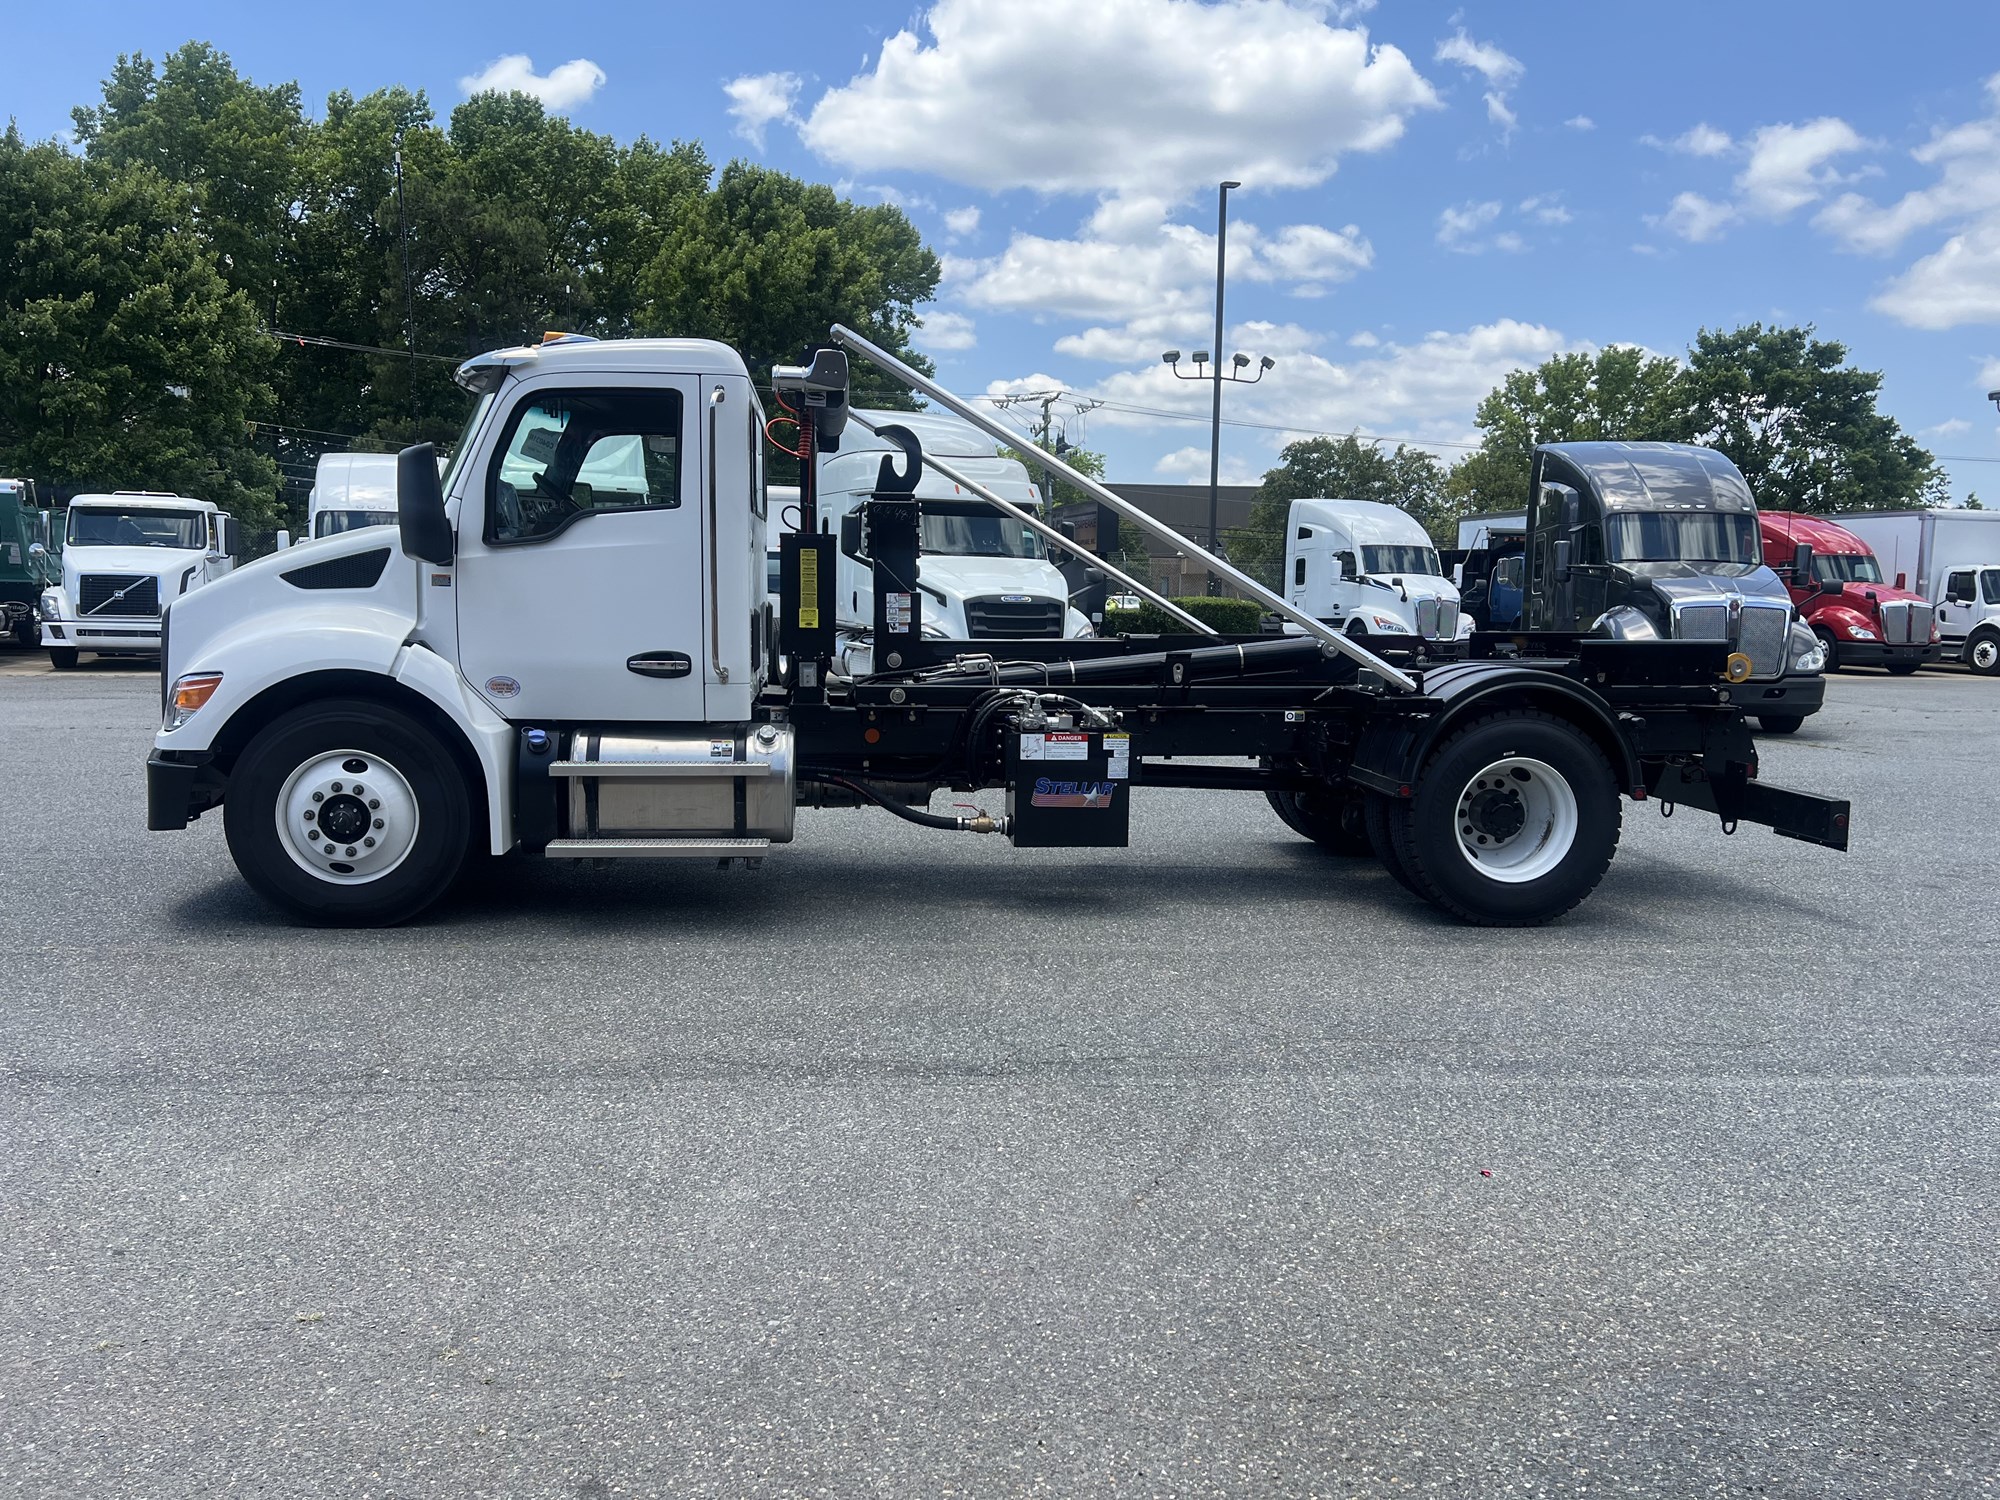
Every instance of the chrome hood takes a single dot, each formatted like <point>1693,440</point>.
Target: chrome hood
<point>1706,583</point>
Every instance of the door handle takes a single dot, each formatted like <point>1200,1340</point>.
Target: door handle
<point>660,664</point>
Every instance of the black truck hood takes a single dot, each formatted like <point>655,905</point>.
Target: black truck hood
<point>1687,581</point>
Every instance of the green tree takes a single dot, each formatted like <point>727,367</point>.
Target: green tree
<point>1620,394</point>
<point>126,361</point>
<point>1344,468</point>
<point>1801,423</point>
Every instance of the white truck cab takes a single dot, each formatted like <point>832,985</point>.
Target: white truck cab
<point>351,491</point>
<point>982,575</point>
<point>126,557</point>
<point>1371,570</point>
<point>1952,558</point>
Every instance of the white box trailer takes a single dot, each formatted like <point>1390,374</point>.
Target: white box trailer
<point>1952,558</point>
<point>351,491</point>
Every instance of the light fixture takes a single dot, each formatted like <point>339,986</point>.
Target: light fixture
<point>1171,357</point>
<point>1200,356</point>
<point>1241,361</point>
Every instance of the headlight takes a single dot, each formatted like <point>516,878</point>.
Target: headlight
<point>190,692</point>
<point>52,604</point>
<point>1808,655</point>
<point>1392,627</point>
<point>1862,633</point>
<point>935,632</point>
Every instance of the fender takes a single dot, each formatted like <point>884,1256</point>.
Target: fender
<point>1842,620</point>
<point>1391,751</point>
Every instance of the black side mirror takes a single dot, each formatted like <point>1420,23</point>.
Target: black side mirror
<point>1802,564</point>
<point>420,517</point>
<point>1562,561</point>
<point>1068,529</point>
<point>1830,586</point>
<point>850,534</point>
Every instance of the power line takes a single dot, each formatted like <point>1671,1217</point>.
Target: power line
<point>318,342</point>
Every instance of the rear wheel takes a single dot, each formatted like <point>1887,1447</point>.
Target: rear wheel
<point>63,658</point>
<point>1329,816</point>
<point>348,813</point>
<point>1375,811</point>
<point>1780,723</point>
<point>1982,654</point>
<point>1830,646</point>
<point>1514,821</point>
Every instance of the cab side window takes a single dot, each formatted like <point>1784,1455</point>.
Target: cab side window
<point>1958,589</point>
<point>571,454</point>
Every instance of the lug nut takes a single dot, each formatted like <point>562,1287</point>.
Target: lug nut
<point>312,833</point>
<point>357,789</point>
<point>336,786</point>
<point>319,796</point>
<point>374,801</point>
<point>309,815</point>
<point>368,843</point>
<point>378,822</point>
<point>350,851</point>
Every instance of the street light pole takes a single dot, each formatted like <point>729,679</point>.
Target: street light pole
<point>1215,414</point>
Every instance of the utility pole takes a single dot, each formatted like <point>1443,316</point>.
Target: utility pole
<point>409,291</point>
<point>1215,414</point>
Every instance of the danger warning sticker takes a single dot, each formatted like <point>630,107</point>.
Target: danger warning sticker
<point>1118,756</point>
<point>1066,747</point>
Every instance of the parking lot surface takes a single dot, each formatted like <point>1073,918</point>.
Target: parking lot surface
<point>914,1165</point>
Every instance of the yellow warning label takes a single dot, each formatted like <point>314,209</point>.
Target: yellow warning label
<point>808,588</point>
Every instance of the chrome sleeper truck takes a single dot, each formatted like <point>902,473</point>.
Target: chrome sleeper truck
<point>533,665</point>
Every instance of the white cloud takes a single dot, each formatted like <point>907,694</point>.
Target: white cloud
<point>961,221</point>
<point>1957,283</point>
<point>1950,427</point>
<point>572,83</point>
<point>1136,97</point>
<point>1500,70</point>
<point>1308,252</point>
<point>1546,208</point>
<point>1456,224</point>
<point>945,331</point>
<point>1580,122</point>
<point>1190,465</point>
<point>759,101</point>
<point>1363,340</point>
<point>1785,168</point>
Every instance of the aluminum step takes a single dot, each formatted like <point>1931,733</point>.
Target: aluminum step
<point>661,770</point>
<point>658,848</point>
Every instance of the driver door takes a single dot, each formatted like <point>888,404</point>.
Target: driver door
<point>579,577</point>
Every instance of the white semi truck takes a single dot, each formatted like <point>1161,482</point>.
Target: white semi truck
<point>126,558</point>
<point>535,664</point>
<point>1370,570</point>
<point>1952,558</point>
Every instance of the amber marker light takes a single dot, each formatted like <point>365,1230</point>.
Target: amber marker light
<point>190,692</point>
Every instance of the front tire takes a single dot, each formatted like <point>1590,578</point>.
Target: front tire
<point>1982,654</point>
<point>1514,820</point>
<point>1832,649</point>
<point>348,813</point>
<point>63,658</point>
<point>1780,723</point>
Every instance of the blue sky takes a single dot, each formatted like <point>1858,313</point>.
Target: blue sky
<point>1433,193</point>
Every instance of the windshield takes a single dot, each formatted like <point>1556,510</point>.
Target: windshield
<point>333,522</point>
<point>1701,536</point>
<point>184,529</point>
<point>974,531</point>
<point>1846,567</point>
<point>1989,584</point>
<point>1400,560</point>
<point>464,444</point>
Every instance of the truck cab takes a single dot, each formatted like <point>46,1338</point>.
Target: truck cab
<point>981,575</point>
<point>1490,567</point>
<point>1860,620</point>
<point>1370,570</point>
<point>126,557</point>
<point>351,491</point>
<point>30,559</point>
<point>1659,541</point>
<point>1950,557</point>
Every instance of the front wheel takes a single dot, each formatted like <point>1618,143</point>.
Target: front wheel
<point>1831,647</point>
<point>1780,723</point>
<point>1514,820</point>
<point>348,813</point>
<point>1982,654</point>
<point>63,658</point>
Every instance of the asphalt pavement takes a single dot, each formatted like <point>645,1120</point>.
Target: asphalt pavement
<point>915,1165</point>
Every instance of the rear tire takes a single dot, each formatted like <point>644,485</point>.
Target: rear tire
<point>1780,723</point>
<point>1831,647</point>
<point>1514,821</point>
<point>1982,654</point>
<point>63,658</point>
<point>391,795</point>
<point>1375,817</point>
<point>1327,815</point>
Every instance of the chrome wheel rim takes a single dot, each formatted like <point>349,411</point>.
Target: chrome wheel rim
<point>1516,820</point>
<point>347,817</point>
<point>1985,653</point>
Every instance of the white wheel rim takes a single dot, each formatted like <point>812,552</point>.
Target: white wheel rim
<point>1516,820</point>
<point>1984,653</point>
<point>347,817</point>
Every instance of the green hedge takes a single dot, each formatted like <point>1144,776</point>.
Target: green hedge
<point>1229,616</point>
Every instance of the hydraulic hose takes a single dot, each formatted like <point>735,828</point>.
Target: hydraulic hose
<point>983,823</point>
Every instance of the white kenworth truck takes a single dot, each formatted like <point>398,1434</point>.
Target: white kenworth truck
<point>530,664</point>
<point>1370,570</point>
<point>126,557</point>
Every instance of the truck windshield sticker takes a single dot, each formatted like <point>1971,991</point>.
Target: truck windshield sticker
<point>1052,793</point>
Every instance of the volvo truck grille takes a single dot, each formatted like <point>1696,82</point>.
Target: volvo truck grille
<point>1905,623</point>
<point>1762,638</point>
<point>118,594</point>
<point>1012,619</point>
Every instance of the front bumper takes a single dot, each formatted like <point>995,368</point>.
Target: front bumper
<point>181,785</point>
<point>1876,654</point>
<point>1801,695</point>
<point>141,636</point>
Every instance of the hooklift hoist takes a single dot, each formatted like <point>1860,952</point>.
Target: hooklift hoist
<point>1490,786</point>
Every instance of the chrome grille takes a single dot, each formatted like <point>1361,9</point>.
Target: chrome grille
<point>1013,620</point>
<point>1448,619</point>
<point>100,594</point>
<point>1427,619</point>
<point>1905,623</point>
<point>1761,637</point>
<point>1702,622</point>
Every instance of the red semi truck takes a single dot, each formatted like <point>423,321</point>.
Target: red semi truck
<point>1859,619</point>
